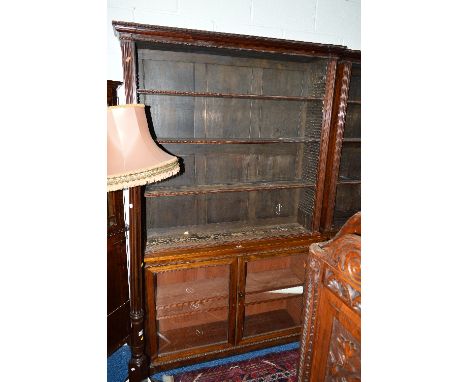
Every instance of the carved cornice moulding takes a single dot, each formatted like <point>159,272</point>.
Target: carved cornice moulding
<point>192,37</point>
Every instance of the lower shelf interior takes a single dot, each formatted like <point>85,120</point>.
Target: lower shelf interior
<point>216,332</point>
<point>268,322</point>
<point>190,236</point>
<point>192,336</point>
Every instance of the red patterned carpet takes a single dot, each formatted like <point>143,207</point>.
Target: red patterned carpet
<point>278,367</point>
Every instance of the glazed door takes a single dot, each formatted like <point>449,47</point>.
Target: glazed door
<point>191,306</point>
<point>270,296</point>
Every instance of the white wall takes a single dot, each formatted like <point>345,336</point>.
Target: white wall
<point>322,21</point>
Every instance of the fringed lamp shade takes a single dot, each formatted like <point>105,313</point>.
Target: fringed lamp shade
<point>133,159</point>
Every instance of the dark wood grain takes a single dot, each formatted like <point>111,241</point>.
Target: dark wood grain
<point>118,324</point>
<point>112,87</point>
<point>205,39</point>
<point>225,95</point>
<point>327,119</point>
<point>138,364</point>
<point>330,342</point>
<point>227,141</point>
<point>336,137</point>
<point>118,304</point>
<point>215,188</point>
<point>250,119</point>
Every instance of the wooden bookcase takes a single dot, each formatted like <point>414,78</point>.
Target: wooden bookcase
<point>225,242</point>
<point>343,173</point>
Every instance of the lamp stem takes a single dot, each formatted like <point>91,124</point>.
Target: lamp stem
<point>138,364</point>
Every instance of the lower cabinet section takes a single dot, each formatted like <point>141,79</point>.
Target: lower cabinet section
<point>218,305</point>
<point>273,294</point>
<point>191,306</point>
<point>188,306</point>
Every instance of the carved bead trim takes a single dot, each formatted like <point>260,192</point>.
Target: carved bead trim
<point>310,314</point>
<point>338,142</point>
<point>326,122</point>
<point>346,292</point>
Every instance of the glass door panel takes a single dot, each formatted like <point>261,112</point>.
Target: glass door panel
<point>192,307</point>
<point>273,294</point>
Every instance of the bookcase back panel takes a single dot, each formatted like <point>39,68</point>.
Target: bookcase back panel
<point>354,93</point>
<point>348,201</point>
<point>350,166</point>
<point>211,117</point>
<point>223,73</point>
<point>251,207</point>
<point>205,117</point>
<point>238,163</point>
<point>353,121</point>
<point>174,116</point>
<point>218,113</point>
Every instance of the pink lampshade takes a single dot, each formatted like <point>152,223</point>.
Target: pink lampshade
<point>133,159</point>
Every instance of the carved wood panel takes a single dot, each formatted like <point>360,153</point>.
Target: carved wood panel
<point>330,342</point>
<point>344,356</point>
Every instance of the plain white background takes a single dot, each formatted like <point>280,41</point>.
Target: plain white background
<point>53,162</point>
<point>320,21</point>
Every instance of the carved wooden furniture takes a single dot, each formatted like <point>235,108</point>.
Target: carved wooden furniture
<point>343,173</point>
<point>331,337</point>
<point>118,304</point>
<point>225,242</point>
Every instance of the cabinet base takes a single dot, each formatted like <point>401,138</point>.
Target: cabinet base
<point>157,366</point>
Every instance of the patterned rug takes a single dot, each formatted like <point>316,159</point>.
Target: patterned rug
<point>278,367</point>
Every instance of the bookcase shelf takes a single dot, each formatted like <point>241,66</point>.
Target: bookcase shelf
<point>274,295</point>
<point>349,181</point>
<point>189,337</point>
<point>187,313</point>
<point>259,282</point>
<point>232,141</point>
<point>268,322</point>
<point>219,233</point>
<point>197,291</point>
<point>215,188</point>
<point>226,95</point>
<point>351,140</point>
